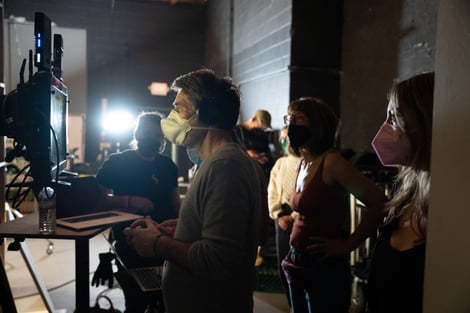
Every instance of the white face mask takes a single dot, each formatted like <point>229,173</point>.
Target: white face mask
<point>176,130</point>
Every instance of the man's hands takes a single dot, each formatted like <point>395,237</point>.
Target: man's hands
<point>285,222</point>
<point>128,203</point>
<point>139,205</point>
<point>141,235</point>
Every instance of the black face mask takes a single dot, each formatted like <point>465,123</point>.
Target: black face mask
<point>298,135</point>
<point>148,146</point>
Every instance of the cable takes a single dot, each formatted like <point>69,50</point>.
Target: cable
<point>19,195</point>
<point>56,142</point>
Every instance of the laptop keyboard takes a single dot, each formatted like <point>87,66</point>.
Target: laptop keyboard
<point>150,278</point>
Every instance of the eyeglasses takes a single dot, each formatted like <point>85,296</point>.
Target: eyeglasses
<point>290,118</point>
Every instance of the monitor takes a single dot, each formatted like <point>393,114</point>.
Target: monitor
<point>35,114</point>
<point>48,118</point>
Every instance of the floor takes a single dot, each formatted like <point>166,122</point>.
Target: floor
<point>57,272</point>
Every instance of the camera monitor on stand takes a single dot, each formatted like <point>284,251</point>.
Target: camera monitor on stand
<point>35,114</point>
<point>50,103</point>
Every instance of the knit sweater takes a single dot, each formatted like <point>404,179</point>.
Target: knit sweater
<point>281,183</point>
<point>220,217</point>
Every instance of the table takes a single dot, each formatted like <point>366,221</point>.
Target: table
<point>27,227</point>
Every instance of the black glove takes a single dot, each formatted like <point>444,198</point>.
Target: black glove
<point>104,271</point>
<point>286,210</point>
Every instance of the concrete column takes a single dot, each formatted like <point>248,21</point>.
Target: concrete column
<point>447,272</point>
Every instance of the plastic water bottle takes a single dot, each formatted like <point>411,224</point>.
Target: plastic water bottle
<point>47,210</point>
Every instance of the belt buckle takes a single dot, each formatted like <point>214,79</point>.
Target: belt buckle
<point>297,256</point>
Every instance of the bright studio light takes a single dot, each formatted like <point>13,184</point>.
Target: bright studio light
<point>118,122</point>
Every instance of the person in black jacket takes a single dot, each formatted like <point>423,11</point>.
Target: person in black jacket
<point>254,135</point>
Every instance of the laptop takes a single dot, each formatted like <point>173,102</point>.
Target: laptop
<point>147,278</point>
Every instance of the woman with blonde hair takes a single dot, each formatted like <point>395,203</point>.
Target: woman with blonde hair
<point>404,141</point>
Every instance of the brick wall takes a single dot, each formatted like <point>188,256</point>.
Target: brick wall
<point>352,68</point>
<point>383,41</point>
<point>251,40</point>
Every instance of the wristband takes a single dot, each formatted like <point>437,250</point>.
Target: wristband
<point>126,201</point>
<point>155,243</point>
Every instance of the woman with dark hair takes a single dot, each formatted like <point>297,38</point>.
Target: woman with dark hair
<point>317,266</point>
<point>404,141</point>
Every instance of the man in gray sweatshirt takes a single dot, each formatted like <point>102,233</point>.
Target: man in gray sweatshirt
<point>211,255</point>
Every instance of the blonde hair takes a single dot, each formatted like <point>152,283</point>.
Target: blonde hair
<point>264,117</point>
<point>413,100</point>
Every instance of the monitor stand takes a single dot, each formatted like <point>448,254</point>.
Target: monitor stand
<point>21,245</point>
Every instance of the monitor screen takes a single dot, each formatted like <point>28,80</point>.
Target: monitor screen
<point>58,124</point>
<point>48,127</point>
